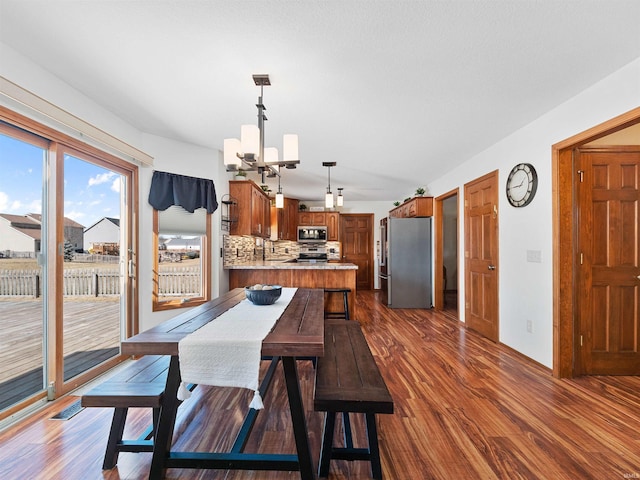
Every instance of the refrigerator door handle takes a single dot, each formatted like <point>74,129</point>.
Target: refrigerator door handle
<point>389,290</point>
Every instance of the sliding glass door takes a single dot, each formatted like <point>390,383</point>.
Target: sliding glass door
<point>67,262</point>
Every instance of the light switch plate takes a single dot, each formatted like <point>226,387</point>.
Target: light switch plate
<point>534,256</point>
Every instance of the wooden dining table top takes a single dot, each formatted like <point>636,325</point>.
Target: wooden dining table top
<point>298,332</point>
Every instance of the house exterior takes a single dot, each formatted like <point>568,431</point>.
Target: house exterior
<point>105,230</point>
<point>20,235</point>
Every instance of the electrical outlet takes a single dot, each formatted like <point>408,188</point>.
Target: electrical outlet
<point>529,326</point>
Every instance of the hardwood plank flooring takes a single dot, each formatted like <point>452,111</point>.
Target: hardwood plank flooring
<point>465,408</point>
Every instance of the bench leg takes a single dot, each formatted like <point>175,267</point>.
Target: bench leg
<point>374,450</point>
<point>115,437</point>
<point>346,425</point>
<point>298,418</point>
<point>156,418</point>
<point>327,444</point>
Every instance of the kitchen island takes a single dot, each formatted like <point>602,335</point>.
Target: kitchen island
<point>301,274</point>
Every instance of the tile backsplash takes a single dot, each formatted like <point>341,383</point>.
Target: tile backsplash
<point>239,249</point>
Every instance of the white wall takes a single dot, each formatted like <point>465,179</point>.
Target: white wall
<point>525,289</point>
<point>32,77</point>
<point>183,159</point>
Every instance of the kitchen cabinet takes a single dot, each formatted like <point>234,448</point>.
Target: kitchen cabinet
<point>416,207</point>
<point>284,221</point>
<point>254,209</point>
<point>333,226</point>
<point>329,219</point>
<point>304,218</point>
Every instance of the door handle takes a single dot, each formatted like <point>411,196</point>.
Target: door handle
<point>638,277</point>
<point>492,267</point>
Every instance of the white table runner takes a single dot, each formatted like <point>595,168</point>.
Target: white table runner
<point>226,351</point>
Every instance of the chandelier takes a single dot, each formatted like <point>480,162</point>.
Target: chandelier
<point>249,153</point>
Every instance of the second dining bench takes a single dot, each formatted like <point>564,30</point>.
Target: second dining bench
<point>348,380</point>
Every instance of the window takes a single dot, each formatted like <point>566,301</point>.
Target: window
<point>182,266</point>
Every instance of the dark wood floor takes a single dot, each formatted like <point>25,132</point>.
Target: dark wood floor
<point>465,408</point>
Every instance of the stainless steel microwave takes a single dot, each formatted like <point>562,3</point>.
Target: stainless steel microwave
<point>312,234</point>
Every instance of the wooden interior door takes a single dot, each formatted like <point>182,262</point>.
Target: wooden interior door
<point>356,235</point>
<point>608,267</point>
<point>481,255</point>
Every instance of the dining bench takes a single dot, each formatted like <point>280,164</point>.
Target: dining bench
<point>348,381</point>
<point>140,384</point>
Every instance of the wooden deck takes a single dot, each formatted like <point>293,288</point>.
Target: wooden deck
<point>466,407</point>
<point>92,336</point>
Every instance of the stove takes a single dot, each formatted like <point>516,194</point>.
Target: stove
<point>313,253</point>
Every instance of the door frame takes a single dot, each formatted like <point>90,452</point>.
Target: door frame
<point>564,223</point>
<point>438,240</point>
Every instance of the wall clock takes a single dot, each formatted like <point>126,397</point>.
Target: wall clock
<point>522,184</point>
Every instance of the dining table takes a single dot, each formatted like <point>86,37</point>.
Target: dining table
<point>297,333</point>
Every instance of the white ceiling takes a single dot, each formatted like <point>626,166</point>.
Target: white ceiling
<point>396,92</point>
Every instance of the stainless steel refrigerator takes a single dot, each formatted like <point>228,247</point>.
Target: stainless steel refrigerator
<point>408,262</point>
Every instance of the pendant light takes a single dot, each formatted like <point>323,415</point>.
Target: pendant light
<point>328,198</point>
<point>340,198</point>
<point>279,196</point>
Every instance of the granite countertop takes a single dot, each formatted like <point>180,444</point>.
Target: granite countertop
<point>284,265</point>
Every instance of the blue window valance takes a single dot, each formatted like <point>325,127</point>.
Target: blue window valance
<point>190,193</point>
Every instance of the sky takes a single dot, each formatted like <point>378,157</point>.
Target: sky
<point>90,192</point>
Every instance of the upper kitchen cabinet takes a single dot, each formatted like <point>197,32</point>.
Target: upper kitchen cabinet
<point>329,219</point>
<point>284,221</point>
<point>416,207</point>
<point>333,226</point>
<point>254,209</point>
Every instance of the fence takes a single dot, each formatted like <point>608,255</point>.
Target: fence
<point>95,258</point>
<point>92,282</point>
<point>179,281</point>
<point>16,254</point>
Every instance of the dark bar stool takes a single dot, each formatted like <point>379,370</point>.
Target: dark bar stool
<point>342,314</point>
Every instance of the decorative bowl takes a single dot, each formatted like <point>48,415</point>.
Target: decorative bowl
<point>263,297</point>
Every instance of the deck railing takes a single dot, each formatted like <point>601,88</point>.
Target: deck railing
<point>95,282</point>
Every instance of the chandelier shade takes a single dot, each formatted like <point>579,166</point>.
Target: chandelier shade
<point>231,147</point>
<point>290,147</point>
<point>250,140</point>
<point>271,156</point>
